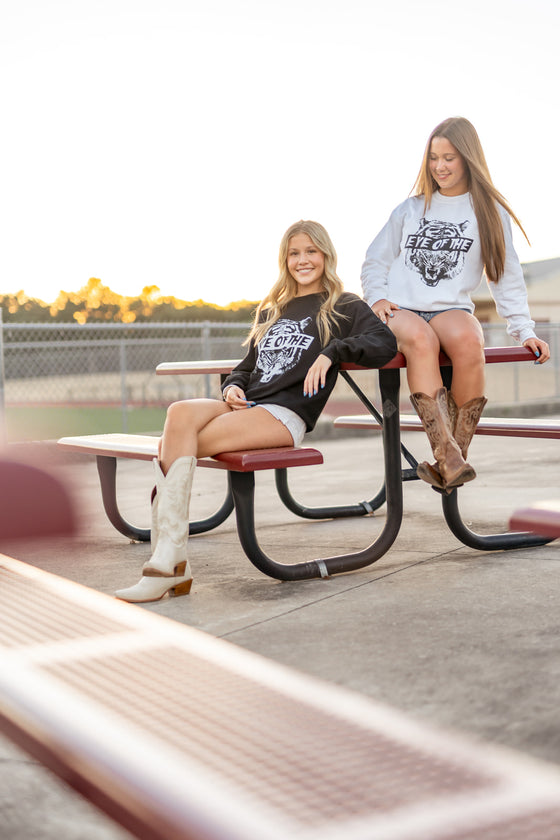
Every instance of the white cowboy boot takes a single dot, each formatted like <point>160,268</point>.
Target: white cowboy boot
<point>168,569</point>
<point>154,588</point>
<point>170,519</point>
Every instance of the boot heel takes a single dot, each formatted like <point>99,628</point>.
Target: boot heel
<point>467,474</point>
<point>181,589</point>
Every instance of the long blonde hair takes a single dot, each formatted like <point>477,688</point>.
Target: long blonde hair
<point>285,289</point>
<point>485,197</point>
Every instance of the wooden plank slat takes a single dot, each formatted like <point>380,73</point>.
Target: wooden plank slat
<point>496,426</point>
<point>176,734</point>
<point>145,447</point>
<point>541,518</point>
<point>493,355</point>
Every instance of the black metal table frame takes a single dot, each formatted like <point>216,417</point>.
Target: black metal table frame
<point>241,491</point>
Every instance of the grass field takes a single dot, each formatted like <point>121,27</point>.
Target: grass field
<point>53,422</point>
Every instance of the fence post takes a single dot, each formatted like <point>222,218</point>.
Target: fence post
<point>516,383</point>
<point>206,351</point>
<point>3,431</point>
<point>554,360</point>
<point>124,412</point>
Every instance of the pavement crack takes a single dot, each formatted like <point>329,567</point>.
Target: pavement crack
<point>328,597</point>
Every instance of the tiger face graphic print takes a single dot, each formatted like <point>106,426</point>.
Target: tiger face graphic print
<point>281,347</point>
<point>437,250</point>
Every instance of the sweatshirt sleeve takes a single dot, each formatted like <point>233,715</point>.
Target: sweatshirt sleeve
<point>364,339</point>
<point>510,292</point>
<point>241,373</point>
<point>380,256</point>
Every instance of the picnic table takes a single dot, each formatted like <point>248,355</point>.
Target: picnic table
<point>391,492</point>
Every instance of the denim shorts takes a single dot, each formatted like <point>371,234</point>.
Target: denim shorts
<point>427,316</point>
<point>292,421</point>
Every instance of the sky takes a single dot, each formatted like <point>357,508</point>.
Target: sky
<point>172,142</point>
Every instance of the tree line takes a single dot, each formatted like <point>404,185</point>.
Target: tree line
<point>95,303</point>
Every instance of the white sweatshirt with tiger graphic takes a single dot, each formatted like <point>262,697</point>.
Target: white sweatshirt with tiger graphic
<point>429,261</point>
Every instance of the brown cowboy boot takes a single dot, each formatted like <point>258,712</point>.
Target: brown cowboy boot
<point>430,472</point>
<point>466,421</point>
<point>452,470</point>
<point>463,422</point>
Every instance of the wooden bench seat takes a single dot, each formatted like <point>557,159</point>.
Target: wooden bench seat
<point>175,734</point>
<point>541,518</point>
<point>145,448</point>
<point>499,426</point>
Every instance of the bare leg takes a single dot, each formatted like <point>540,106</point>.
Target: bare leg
<point>461,337</point>
<point>207,427</point>
<point>459,334</point>
<point>183,423</point>
<point>420,345</point>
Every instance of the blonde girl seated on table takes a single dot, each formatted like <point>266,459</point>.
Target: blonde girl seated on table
<point>303,329</point>
<point>418,277</point>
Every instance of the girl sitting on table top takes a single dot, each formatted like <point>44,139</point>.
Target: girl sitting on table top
<point>303,329</point>
<point>418,276</point>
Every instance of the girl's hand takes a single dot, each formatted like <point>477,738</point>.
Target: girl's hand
<point>316,375</point>
<point>540,348</point>
<point>384,309</point>
<point>235,398</point>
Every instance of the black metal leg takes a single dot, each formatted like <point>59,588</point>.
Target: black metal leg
<point>243,488</point>
<point>481,542</point>
<point>107,469</point>
<point>485,542</point>
<point>332,512</point>
<point>362,508</point>
<point>407,475</point>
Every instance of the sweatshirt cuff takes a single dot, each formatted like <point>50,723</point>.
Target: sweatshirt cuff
<point>330,352</point>
<point>525,334</point>
<point>226,389</point>
<point>373,294</point>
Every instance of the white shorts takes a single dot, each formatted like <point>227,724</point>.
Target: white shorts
<point>292,421</point>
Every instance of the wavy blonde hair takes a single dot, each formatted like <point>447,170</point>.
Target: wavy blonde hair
<point>485,197</point>
<point>285,289</point>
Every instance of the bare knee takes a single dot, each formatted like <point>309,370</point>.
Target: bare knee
<point>190,416</point>
<point>182,419</point>
<point>177,415</point>
<point>467,349</point>
<point>420,341</point>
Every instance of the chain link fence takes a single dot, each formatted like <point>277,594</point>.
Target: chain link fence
<point>49,369</point>
<point>108,363</point>
<point>66,366</point>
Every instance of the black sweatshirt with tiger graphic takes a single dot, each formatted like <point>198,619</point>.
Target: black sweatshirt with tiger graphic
<point>274,370</point>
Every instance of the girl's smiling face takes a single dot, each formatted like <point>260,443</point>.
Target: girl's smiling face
<point>448,168</point>
<point>306,264</point>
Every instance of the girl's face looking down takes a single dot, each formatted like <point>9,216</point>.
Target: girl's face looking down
<point>448,167</point>
<point>306,264</point>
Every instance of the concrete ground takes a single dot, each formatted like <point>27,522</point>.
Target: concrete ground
<point>467,640</point>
